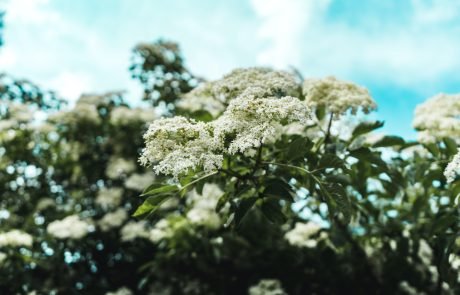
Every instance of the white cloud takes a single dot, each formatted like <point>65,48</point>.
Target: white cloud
<point>70,84</point>
<point>416,53</point>
<point>283,24</point>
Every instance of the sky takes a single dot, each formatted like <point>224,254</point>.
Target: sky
<point>403,51</point>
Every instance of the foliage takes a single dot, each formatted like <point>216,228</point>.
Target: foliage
<point>323,205</point>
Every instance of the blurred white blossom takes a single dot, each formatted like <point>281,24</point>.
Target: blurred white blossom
<point>118,167</point>
<point>71,227</point>
<point>302,233</point>
<point>139,182</point>
<point>121,291</point>
<point>3,256</point>
<point>267,287</point>
<point>453,168</point>
<point>109,197</point>
<point>113,219</point>
<point>133,230</point>
<point>15,238</point>
<point>438,117</point>
<point>203,206</point>
<point>337,96</point>
<point>122,116</point>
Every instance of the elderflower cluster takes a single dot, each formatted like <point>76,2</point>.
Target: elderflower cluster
<point>337,96</point>
<point>204,205</point>
<point>71,227</point>
<point>122,116</point>
<point>176,145</point>
<point>453,168</point>
<point>267,287</point>
<point>15,238</point>
<point>214,96</point>
<point>138,181</point>
<point>438,117</point>
<point>134,230</point>
<point>82,112</point>
<point>113,219</point>
<point>3,257</point>
<point>302,233</point>
<point>121,291</point>
<point>109,197</point>
<point>254,116</point>
<point>118,167</point>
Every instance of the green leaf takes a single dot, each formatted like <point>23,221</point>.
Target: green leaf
<point>330,161</point>
<point>243,208</point>
<point>222,201</point>
<point>451,146</point>
<point>298,148</point>
<point>366,127</point>
<point>199,187</point>
<point>202,115</point>
<point>159,190</point>
<point>320,112</point>
<point>366,155</point>
<point>279,189</point>
<point>387,141</point>
<point>433,148</point>
<point>151,204</point>
<point>272,209</point>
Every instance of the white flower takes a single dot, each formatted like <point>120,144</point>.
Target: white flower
<point>113,219</point>
<point>453,168</point>
<point>301,234</point>
<point>109,197</point>
<point>15,238</point>
<point>118,167</point>
<point>161,230</point>
<point>425,253</point>
<point>122,116</point>
<point>3,256</point>
<point>138,181</point>
<point>408,289</point>
<point>121,291</point>
<point>203,206</point>
<point>82,112</point>
<point>71,227</point>
<point>215,95</point>
<point>134,230</point>
<point>337,96</point>
<point>20,112</point>
<point>176,145</point>
<point>438,117</point>
<point>267,287</point>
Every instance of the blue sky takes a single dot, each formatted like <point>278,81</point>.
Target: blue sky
<point>402,51</point>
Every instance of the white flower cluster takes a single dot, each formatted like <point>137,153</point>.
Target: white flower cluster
<point>203,206</point>
<point>15,238</point>
<point>214,96</point>
<point>176,145</point>
<point>453,168</point>
<point>337,96</point>
<point>301,234</point>
<point>121,291</point>
<point>438,117</point>
<point>113,219</point>
<point>134,230</point>
<point>122,116</point>
<point>20,112</point>
<point>109,197</point>
<point>138,182</point>
<point>161,230</point>
<point>267,287</point>
<point>82,112</point>
<point>71,227</point>
<point>118,167</point>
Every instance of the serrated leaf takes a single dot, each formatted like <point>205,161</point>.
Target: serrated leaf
<point>298,148</point>
<point>366,127</point>
<point>330,161</point>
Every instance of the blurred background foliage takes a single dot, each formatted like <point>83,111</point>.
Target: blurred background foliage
<point>59,161</point>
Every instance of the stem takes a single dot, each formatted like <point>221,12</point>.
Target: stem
<point>328,133</point>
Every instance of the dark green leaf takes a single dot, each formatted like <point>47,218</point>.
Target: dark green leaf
<point>271,208</point>
<point>451,146</point>
<point>243,208</point>
<point>387,141</point>
<point>279,189</point>
<point>222,201</point>
<point>366,127</point>
<point>298,148</point>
